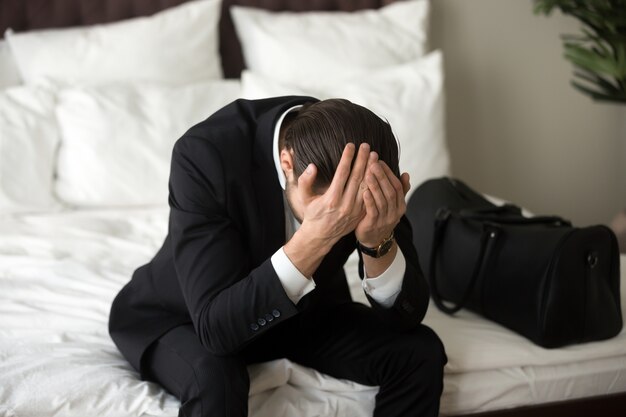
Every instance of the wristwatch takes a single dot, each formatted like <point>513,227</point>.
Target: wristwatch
<point>381,250</point>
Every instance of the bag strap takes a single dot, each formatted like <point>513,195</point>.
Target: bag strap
<point>489,234</point>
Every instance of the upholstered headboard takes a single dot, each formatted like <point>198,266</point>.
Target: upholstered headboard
<point>23,15</point>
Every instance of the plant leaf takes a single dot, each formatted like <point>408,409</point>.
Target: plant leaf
<point>592,62</point>
<point>596,79</point>
<point>596,95</point>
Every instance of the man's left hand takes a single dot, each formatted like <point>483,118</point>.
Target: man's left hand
<point>384,200</point>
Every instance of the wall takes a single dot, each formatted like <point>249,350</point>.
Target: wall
<point>516,128</point>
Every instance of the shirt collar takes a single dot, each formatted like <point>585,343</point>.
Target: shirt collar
<point>279,170</point>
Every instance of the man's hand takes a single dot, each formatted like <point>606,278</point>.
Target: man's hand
<point>335,213</point>
<point>385,204</point>
<point>384,201</point>
<point>332,215</point>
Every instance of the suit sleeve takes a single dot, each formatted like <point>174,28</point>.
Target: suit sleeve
<point>230,301</point>
<point>411,304</point>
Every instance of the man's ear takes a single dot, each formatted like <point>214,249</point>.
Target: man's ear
<point>286,162</point>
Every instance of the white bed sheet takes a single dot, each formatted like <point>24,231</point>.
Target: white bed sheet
<point>60,271</point>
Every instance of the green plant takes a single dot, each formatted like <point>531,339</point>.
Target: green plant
<point>599,54</point>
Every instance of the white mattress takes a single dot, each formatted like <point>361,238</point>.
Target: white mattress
<point>60,271</point>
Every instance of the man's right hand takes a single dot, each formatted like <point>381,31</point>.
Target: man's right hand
<point>332,215</point>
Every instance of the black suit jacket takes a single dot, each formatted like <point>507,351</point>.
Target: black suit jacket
<point>226,220</point>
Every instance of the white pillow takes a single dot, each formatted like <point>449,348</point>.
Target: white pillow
<point>28,142</point>
<point>304,47</point>
<point>116,140</point>
<point>409,96</point>
<point>176,46</point>
<point>8,71</point>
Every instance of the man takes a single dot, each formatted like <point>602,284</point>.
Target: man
<point>268,199</point>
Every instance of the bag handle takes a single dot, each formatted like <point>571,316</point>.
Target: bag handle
<point>495,218</point>
<point>498,214</point>
<point>488,235</point>
<point>503,209</point>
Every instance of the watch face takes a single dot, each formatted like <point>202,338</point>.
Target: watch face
<point>385,247</point>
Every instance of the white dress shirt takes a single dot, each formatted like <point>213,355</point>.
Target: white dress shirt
<point>384,288</point>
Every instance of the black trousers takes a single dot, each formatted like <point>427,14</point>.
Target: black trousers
<point>346,341</point>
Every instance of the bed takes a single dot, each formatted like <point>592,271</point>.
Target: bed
<point>84,154</point>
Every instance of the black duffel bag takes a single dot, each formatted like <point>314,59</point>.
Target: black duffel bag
<point>538,276</point>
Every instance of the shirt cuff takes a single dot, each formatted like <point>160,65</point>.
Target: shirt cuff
<point>385,288</point>
<point>295,284</point>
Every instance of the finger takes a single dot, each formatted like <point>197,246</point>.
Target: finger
<point>397,185</point>
<point>395,181</point>
<point>352,198</point>
<point>356,175</point>
<point>385,185</point>
<point>370,206</point>
<point>406,182</point>
<point>306,181</point>
<point>406,186</point>
<point>358,204</point>
<point>372,158</point>
<point>377,194</point>
<point>342,172</point>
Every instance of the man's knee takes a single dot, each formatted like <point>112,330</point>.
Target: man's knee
<point>220,387</point>
<point>224,371</point>
<point>419,352</point>
<point>205,384</point>
<point>431,347</point>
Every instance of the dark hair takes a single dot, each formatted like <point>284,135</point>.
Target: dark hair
<point>320,131</point>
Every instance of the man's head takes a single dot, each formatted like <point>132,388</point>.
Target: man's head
<point>319,132</point>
